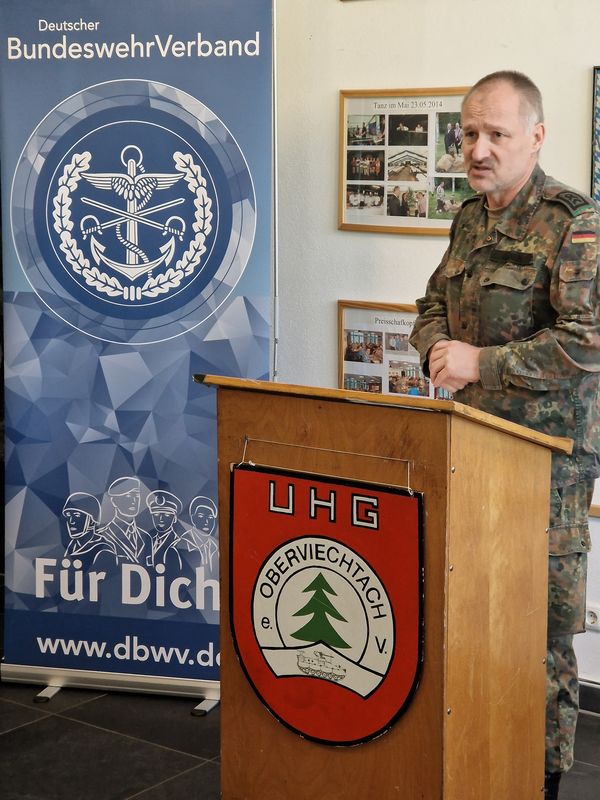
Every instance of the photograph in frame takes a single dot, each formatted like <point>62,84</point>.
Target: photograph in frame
<point>401,160</point>
<point>375,355</point>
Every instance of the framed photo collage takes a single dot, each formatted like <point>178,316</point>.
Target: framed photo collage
<point>401,161</point>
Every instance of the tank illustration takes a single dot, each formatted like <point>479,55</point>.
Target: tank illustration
<point>321,666</point>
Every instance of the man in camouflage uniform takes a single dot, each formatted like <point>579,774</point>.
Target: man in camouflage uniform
<point>510,324</point>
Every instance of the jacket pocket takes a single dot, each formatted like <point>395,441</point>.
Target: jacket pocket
<point>454,267</point>
<point>506,302</point>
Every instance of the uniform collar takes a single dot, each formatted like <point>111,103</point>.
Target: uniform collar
<point>514,221</point>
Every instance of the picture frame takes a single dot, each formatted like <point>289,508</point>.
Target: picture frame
<point>595,507</point>
<point>401,168</point>
<point>374,354</point>
<point>595,188</point>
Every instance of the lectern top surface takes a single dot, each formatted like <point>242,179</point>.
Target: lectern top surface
<point>554,443</point>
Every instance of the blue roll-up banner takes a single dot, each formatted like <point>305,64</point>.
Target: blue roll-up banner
<point>136,149</point>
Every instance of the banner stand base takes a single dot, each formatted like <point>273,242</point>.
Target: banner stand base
<point>204,708</point>
<point>209,692</point>
<point>46,694</point>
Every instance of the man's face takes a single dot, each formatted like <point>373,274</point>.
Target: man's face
<point>77,522</point>
<point>203,519</point>
<point>163,520</point>
<point>500,144</point>
<point>127,504</point>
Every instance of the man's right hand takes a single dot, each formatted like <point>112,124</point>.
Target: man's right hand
<point>453,364</point>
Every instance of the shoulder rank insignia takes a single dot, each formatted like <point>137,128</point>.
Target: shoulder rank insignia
<point>576,203</point>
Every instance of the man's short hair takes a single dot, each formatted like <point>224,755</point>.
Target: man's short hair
<point>530,94</point>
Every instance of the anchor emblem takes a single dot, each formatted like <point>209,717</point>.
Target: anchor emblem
<point>137,187</point>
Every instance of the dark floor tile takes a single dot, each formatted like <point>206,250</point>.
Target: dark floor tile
<point>589,698</point>
<point>587,740</point>
<point>25,694</point>
<point>202,783</point>
<point>1,600</point>
<point>13,715</point>
<point>582,782</point>
<point>161,720</point>
<point>58,759</point>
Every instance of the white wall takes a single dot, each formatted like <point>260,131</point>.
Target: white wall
<point>327,45</point>
<point>587,645</point>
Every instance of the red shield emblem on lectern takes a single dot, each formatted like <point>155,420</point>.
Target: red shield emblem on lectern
<point>327,599</point>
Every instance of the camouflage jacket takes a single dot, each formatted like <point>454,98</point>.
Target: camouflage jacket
<point>526,291</point>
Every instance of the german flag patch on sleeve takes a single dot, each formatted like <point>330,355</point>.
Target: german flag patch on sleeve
<point>583,237</point>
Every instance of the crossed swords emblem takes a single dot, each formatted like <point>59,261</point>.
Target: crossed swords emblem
<point>137,187</point>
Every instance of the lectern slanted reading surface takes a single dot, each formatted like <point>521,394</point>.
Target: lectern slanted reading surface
<point>475,725</point>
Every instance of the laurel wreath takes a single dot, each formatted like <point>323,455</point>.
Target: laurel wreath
<point>202,226</point>
<point>111,285</point>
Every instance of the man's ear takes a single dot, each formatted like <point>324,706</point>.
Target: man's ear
<point>538,135</point>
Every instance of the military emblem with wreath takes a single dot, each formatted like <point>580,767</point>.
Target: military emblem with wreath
<point>119,278</point>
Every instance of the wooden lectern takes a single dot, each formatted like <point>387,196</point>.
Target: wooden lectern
<point>475,726</point>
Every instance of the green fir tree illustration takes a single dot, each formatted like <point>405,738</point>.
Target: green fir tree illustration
<point>319,628</point>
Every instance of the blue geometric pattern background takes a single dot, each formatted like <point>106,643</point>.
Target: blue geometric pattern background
<point>136,195</point>
<point>98,411</point>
